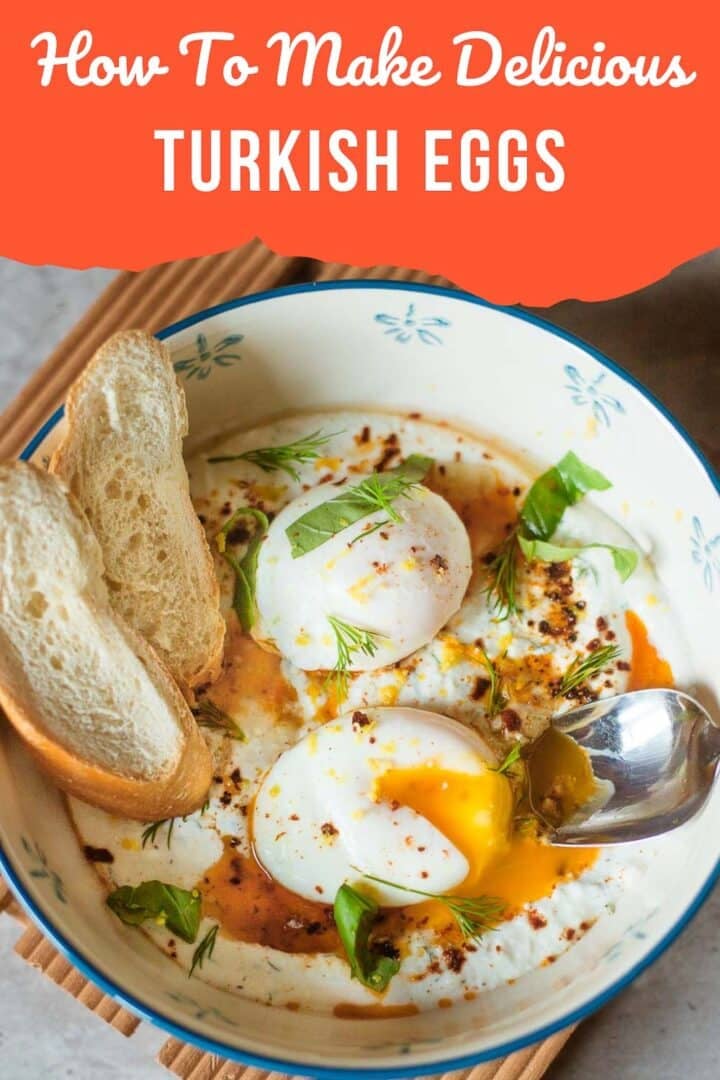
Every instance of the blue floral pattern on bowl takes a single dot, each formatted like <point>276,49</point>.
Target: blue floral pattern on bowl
<point>590,392</point>
<point>413,327</point>
<point>205,356</point>
<point>705,553</point>
<point>40,869</point>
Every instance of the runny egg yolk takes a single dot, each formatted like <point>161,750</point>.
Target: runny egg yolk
<point>475,812</point>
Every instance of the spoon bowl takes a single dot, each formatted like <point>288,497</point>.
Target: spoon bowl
<point>654,754</point>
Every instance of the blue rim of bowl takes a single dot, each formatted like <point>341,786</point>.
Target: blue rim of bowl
<point>380,1073</point>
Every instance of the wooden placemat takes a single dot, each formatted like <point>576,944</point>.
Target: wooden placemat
<point>150,300</point>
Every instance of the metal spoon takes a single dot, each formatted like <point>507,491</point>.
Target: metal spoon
<point>655,756</point>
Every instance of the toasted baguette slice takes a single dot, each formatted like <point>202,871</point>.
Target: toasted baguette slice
<point>90,697</point>
<point>122,460</point>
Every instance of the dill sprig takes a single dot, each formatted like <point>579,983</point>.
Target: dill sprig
<point>349,640</point>
<point>582,670</point>
<point>509,760</point>
<point>496,699</point>
<point>378,496</point>
<point>274,458</point>
<point>204,950</point>
<point>149,834</point>
<point>367,532</point>
<point>503,571</point>
<point>475,915</point>
<point>207,714</point>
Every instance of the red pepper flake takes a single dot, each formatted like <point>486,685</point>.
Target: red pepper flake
<point>360,720</point>
<point>536,920</point>
<point>511,720</point>
<point>622,665</point>
<point>594,645</point>
<point>388,455</point>
<point>601,623</point>
<point>328,829</point>
<point>98,854</point>
<point>454,958</point>
<point>480,688</point>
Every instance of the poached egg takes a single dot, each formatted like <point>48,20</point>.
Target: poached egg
<point>401,794</point>
<point>400,581</point>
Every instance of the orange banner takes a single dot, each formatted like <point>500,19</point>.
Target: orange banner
<point>528,151</point>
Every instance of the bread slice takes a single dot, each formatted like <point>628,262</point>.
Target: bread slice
<point>122,459</point>
<point>95,705</point>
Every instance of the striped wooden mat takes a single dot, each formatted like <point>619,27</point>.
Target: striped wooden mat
<point>150,300</point>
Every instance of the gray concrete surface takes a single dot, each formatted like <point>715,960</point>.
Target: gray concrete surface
<point>666,1026</point>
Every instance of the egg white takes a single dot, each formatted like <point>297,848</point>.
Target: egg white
<point>317,823</point>
<point>401,582</point>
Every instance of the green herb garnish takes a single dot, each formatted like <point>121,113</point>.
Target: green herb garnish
<point>150,833</point>
<point>204,950</point>
<point>475,915</point>
<point>273,458</point>
<point>562,486</point>
<point>581,670</point>
<point>503,578</point>
<point>509,760</point>
<point>376,492</point>
<point>496,699</point>
<point>349,640</point>
<point>625,560</point>
<point>245,569</point>
<point>207,714</point>
<point>367,532</point>
<point>167,905</point>
<point>355,915</point>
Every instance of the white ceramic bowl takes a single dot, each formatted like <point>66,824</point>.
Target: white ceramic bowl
<point>505,374</point>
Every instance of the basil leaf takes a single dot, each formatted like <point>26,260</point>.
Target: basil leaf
<point>375,492</point>
<point>245,569</point>
<point>561,486</point>
<point>624,559</point>
<point>178,909</point>
<point>354,918</point>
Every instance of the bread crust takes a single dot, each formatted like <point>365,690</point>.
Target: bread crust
<point>180,792</point>
<point>183,787</point>
<point>68,462</point>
